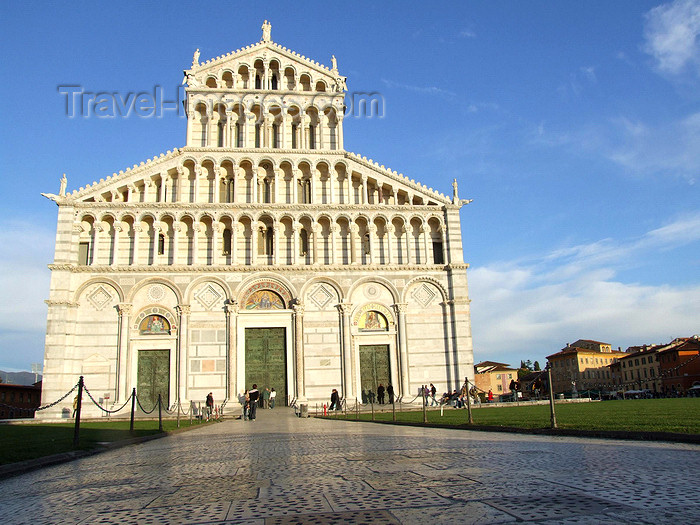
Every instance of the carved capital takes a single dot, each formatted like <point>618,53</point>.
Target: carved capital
<point>77,227</point>
<point>124,309</point>
<point>231,307</point>
<point>344,308</point>
<point>390,228</point>
<point>400,308</point>
<point>298,309</point>
<point>183,309</point>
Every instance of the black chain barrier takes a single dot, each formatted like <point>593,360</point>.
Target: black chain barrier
<point>143,409</point>
<point>100,406</point>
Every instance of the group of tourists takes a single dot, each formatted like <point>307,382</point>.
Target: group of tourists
<point>369,397</point>
<point>253,399</point>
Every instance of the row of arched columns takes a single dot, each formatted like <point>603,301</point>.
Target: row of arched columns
<point>248,181</point>
<point>264,239</point>
<point>277,126</point>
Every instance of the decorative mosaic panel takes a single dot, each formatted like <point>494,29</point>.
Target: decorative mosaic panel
<point>208,296</point>
<point>321,296</point>
<point>99,297</point>
<point>156,292</point>
<point>424,295</point>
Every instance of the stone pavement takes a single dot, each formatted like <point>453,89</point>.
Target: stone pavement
<point>281,469</point>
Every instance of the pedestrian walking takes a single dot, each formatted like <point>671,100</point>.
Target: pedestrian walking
<point>390,392</point>
<point>253,397</point>
<point>490,396</point>
<point>273,396</point>
<point>433,391</point>
<point>210,405</point>
<point>266,398</point>
<point>335,401</point>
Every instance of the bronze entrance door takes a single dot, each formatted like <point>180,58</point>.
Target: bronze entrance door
<point>266,361</point>
<point>374,367</point>
<point>153,377</point>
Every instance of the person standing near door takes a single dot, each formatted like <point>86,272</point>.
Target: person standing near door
<point>273,396</point>
<point>253,396</point>
<point>210,405</point>
<point>390,392</point>
<point>380,394</point>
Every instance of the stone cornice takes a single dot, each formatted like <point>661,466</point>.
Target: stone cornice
<point>198,269</point>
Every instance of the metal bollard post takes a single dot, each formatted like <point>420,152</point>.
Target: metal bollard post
<point>553,415</point>
<point>178,413</point>
<point>191,413</point>
<point>357,410</point>
<point>372,406</point>
<point>76,432</point>
<point>393,411</point>
<point>199,412</point>
<point>425,409</point>
<point>133,409</point>
<point>160,414</point>
<point>469,404</point>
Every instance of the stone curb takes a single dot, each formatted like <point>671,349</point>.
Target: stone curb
<point>568,432</point>
<point>14,469</point>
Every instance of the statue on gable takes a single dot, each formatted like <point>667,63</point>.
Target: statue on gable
<point>334,64</point>
<point>64,183</point>
<point>455,192</point>
<point>195,58</point>
<point>266,30</point>
<point>340,84</point>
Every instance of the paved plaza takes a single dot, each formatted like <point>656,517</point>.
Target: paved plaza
<point>281,469</point>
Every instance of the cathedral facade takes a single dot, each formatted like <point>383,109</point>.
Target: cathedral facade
<point>261,252</point>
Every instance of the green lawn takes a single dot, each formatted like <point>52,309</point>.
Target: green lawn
<point>638,415</point>
<point>22,442</point>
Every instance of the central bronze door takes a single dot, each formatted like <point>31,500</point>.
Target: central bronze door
<point>266,361</point>
<point>374,366</point>
<point>153,377</point>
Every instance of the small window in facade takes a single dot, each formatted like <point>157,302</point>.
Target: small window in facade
<point>500,388</point>
<point>239,135</point>
<point>267,191</point>
<point>365,244</point>
<point>303,242</point>
<point>229,190</point>
<point>294,136</point>
<point>220,135</point>
<point>275,135</point>
<point>437,253</point>
<point>83,253</point>
<point>257,81</point>
<point>257,135</point>
<point>227,242</point>
<point>274,81</point>
<point>312,136</point>
<point>161,244</point>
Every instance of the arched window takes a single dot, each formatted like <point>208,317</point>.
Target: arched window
<point>220,135</point>
<point>83,253</point>
<point>274,81</point>
<point>437,253</point>
<point>267,191</point>
<point>154,325</point>
<point>229,190</point>
<point>312,136</point>
<point>303,242</point>
<point>294,136</point>
<point>275,136</point>
<point>269,241</point>
<point>239,135</point>
<point>305,191</point>
<point>227,242</point>
<point>257,81</point>
<point>161,244</point>
<point>365,244</point>
<point>257,135</point>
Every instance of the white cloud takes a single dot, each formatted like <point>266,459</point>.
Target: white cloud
<point>671,36</point>
<point>431,90</point>
<point>530,308</point>
<point>467,33</point>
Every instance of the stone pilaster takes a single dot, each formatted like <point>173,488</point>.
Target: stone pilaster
<point>299,351</point>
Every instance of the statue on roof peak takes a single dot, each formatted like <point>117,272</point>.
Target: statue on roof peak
<point>64,183</point>
<point>195,58</point>
<point>334,64</point>
<point>266,29</point>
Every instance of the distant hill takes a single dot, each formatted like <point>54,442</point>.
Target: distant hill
<point>18,378</point>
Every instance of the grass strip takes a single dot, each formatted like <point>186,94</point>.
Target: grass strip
<point>22,442</point>
<point>681,415</point>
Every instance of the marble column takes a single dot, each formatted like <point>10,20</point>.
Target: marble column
<point>231,310</point>
<point>295,242</point>
<point>344,310</point>
<point>365,200</point>
<point>400,309</point>
<point>124,311</point>
<point>234,244</point>
<point>177,228</point>
<point>373,256</point>
<point>299,351</point>
<point>197,175</point>
<point>195,242</point>
<point>334,236</point>
<point>136,233</point>
<point>96,248</point>
<point>183,311</point>
<point>315,234</point>
<point>154,246</point>
<point>217,184</point>
<point>390,241</point>
<point>354,242</point>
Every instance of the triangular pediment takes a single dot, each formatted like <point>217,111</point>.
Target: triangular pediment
<point>265,51</point>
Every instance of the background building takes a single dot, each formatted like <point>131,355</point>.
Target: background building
<point>490,375</point>
<point>584,364</point>
<point>19,401</point>
<point>261,252</point>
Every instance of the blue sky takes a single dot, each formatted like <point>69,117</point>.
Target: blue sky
<point>574,126</point>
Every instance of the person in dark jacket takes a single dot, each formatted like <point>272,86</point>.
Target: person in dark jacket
<point>335,401</point>
<point>210,405</point>
<point>253,396</point>
<point>390,392</point>
<point>380,394</point>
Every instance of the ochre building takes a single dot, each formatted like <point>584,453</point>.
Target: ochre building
<point>261,252</point>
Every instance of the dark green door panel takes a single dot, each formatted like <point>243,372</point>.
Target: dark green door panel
<point>266,360</point>
<point>374,366</point>
<point>153,377</point>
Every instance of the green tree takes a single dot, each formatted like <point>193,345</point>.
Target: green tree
<point>537,366</point>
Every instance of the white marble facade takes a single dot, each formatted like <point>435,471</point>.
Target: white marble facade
<point>263,198</point>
